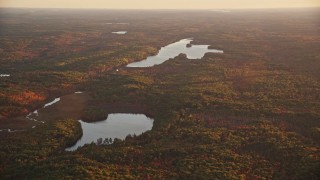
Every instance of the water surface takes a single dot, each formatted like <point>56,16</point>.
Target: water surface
<point>173,50</point>
<point>52,102</point>
<point>120,32</point>
<point>4,75</point>
<point>60,108</point>
<point>117,125</point>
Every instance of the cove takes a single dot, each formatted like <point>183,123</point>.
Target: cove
<point>173,50</point>
<point>68,106</point>
<point>117,125</point>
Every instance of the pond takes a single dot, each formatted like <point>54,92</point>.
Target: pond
<point>173,50</point>
<point>117,125</point>
<point>120,32</point>
<point>4,75</point>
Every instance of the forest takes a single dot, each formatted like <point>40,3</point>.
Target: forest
<point>252,112</point>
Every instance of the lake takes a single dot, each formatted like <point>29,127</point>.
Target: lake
<point>117,125</point>
<point>173,50</point>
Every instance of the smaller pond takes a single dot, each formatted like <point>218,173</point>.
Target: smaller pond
<point>4,75</point>
<point>120,32</point>
<point>10,130</point>
<point>173,50</point>
<point>117,125</point>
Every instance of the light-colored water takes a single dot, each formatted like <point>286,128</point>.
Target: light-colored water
<point>120,32</point>
<point>33,116</point>
<point>173,50</point>
<point>10,130</point>
<point>52,102</point>
<point>115,126</point>
<point>37,115</point>
<point>4,75</point>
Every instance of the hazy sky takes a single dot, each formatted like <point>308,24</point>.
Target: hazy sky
<point>160,4</point>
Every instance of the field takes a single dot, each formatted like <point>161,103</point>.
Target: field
<point>252,112</point>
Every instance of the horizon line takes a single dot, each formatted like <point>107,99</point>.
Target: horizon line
<point>101,8</point>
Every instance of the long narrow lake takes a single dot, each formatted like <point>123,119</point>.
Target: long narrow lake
<point>173,50</point>
<point>115,126</point>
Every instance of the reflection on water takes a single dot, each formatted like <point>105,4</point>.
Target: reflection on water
<point>173,50</point>
<point>115,126</point>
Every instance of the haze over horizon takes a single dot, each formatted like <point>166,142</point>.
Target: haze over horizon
<point>163,4</point>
